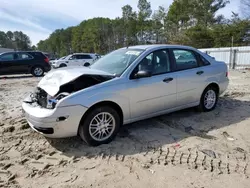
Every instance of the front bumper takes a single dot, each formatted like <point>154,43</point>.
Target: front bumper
<point>54,123</point>
<point>54,66</point>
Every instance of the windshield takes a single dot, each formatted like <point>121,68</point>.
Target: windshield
<point>117,61</point>
<point>67,57</point>
<point>62,58</point>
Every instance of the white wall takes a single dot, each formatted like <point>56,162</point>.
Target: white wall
<point>239,56</point>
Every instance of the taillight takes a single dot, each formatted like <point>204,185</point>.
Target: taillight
<point>226,74</point>
<point>46,60</point>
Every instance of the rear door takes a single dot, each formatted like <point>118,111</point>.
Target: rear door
<point>23,62</point>
<point>190,77</point>
<point>88,59</point>
<point>80,59</point>
<point>7,63</point>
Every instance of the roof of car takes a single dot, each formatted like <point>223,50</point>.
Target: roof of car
<point>152,46</point>
<point>82,53</point>
<point>22,52</point>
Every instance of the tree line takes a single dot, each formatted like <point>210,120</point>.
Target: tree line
<point>15,40</point>
<point>187,22</point>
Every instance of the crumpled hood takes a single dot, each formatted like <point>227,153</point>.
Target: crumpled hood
<point>52,81</point>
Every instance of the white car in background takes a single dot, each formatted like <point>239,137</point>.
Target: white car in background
<point>76,59</point>
<point>53,61</point>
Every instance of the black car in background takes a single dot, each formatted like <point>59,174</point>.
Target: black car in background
<point>26,62</point>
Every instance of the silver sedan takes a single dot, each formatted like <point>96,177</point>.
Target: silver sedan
<point>124,86</point>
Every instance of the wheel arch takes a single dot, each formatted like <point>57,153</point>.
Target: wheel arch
<point>214,85</point>
<point>62,65</point>
<point>86,64</point>
<point>104,103</point>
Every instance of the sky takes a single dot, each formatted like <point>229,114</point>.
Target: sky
<point>38,19</point>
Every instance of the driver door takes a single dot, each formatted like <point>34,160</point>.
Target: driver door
<point>153,94</point>
<point>73,60</point>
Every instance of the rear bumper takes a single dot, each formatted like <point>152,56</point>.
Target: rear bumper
<point>224,86</point>
<point>57,123</point>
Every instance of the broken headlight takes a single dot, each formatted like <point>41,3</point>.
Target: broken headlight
<point>53,101</point>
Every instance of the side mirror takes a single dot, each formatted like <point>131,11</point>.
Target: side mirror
<point>143,74</point>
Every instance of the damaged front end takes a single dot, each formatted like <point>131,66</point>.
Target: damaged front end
<point>43,99</point>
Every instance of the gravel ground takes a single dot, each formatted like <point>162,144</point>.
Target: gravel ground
<point>182,149</point>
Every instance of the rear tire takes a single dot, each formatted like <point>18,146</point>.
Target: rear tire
<point>100,126</point>
<point>37,71</point>
<point>63,65</point>
<point>209,99</point>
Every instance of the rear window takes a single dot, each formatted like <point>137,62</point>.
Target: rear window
<point>83,57</point>
<point>23,56</point>
<point>39,55</point>
<point>87,57</point>
<point>204,61</point>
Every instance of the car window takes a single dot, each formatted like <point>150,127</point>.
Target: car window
<point>79,56</point>
<point>72,57</point>
<point>87,57</point>
<point>185,59</point>
<point>7,57</point>
<point>157,62</point>
<point>204,61</point>
<point>38,55</point>
<point>23,56</point>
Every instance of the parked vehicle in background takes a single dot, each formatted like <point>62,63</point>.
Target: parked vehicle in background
<point>52,61</point>
<point>24,62</point>
<point>124,86</point>
<point>76,59</point>
<point>50,56</point>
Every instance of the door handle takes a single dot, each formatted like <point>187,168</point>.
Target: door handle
<point>167,80</point>
<point>200,72</point>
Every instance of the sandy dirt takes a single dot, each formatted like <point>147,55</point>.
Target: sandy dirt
<point>182,149</point>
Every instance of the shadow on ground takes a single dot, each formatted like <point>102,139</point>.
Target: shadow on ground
<point>8,77</point>
<point>150,134</point>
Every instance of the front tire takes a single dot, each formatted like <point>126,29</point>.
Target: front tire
<point>208,99</point>
<point>86,64</point>
<point>100,126</point>
<point>37,71</point>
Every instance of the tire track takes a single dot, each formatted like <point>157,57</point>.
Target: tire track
<point>197,160</point>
